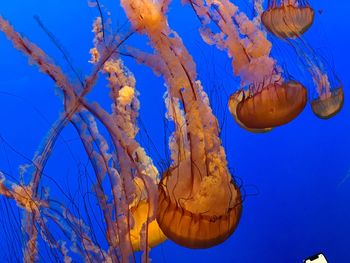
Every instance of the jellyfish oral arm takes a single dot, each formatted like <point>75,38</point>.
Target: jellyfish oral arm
<point>250,55</point>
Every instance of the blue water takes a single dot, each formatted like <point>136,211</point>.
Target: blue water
<point>296,178</point>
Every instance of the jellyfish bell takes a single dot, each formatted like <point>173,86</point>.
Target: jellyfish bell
<point>326,107</point>
<point>197,219</point>
<point>234,100</point>
<point>139,214</point>
<point>329,89</point>
<point>155,235</point>
<point>288,19</point>
<point>274,105</point>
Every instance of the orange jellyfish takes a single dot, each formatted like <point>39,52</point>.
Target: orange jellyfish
<point>326,107</point>
<point>330,98</point>
<point>199,204</point>
<point>274,105</point>
<point>288,18</point>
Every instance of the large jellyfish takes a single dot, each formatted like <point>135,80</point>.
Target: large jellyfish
<point>268,100</point>
<point>199,204</point>
<point>288,18</point>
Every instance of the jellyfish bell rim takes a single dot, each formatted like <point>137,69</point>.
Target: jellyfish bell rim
<point>291,33</point>
<point>322,104</point>
<point>257,119</point>
<point>170,213</point>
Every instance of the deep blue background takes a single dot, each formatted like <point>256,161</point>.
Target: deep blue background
<point>295,177</point>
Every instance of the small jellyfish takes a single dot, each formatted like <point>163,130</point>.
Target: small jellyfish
<point>274,105</point>
<point>330,97</point>
<point>328,106</point>
<point>288,18</point>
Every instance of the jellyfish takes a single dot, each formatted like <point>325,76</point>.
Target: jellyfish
<point>199,203</point>
<point>330,96</point>
<point>265,100</point>
<point>288,18</point>
<point>275,105</point>
<point>125,110</point>
<point>328,106</point>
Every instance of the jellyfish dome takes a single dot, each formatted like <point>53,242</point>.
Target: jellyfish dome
<point>274,105</point>
<point>197,219</point>
<point>155,235</point>
<point>139,213</point>
<point>328,106</point>
<point>329,90</point>
<point>288,18</point>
